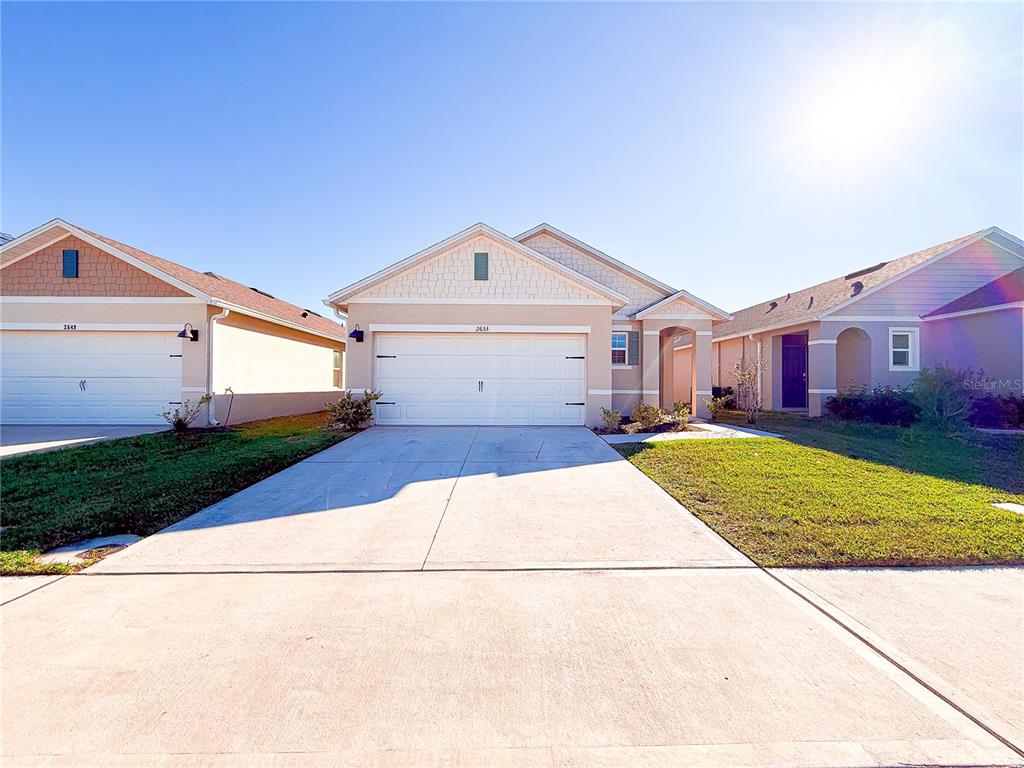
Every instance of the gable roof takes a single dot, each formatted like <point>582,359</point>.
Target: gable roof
<point>340,297</point>
<point>687,297</point>
<point>601,256</point>
<point>208,286</point>
<point>1008,289</point>
<point>811,304</point>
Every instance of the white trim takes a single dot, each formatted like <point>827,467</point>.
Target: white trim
<point>599,391</point>
<point>634,391</point>
<point>916,268</point>
<point>767,328</point>
<point>623,328</point>
<point>478,229</point>
<point>278,321</point>
<point>426,328</point>
<point>821,391</point>
<point>597,254</point>
<point>822,341</point>
<point>495,302</point>
<point>626,367</point>
<point>704,333</point>
<point>914,349</point>
<point>101,300</point>
<point>91,327</point>
<point>978,311</point>
<point>194,389</point>
<point>687,297</point>
<point>702,392</point>
<point>683,346</point>
<point>872,318</point>
<point>36,249</point>
<point>652,333</point>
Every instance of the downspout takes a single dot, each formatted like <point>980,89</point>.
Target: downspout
<point>211,412</point>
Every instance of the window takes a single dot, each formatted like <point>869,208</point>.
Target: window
<point>480,266</point>
<point>70,266</point>
<point>904,353</point>
<point>620,342</point>
<point>338,380</point>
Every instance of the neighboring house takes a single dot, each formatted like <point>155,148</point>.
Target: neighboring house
<point>483,328</point>
<point>93,331</point>
<point>958,304</point>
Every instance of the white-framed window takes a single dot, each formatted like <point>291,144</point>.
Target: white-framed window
<point>337,374</point>
<point>620,347</point>
<point>904,349</point>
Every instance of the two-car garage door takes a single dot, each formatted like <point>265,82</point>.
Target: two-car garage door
<point>480,378</point>
<point>88,377</point>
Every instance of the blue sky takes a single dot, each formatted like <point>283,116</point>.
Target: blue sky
<point>735,150</point>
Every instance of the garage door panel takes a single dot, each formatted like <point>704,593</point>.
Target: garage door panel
<point>480,378</point>
<point>88,377</point>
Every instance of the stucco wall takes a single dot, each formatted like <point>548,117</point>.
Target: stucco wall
<point>991,342</point>
<point>272,370</point>
<point>360,356</point>
<point>99,274</point>
<point>681,384</point>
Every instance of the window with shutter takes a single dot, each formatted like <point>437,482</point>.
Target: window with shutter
<point>480,266</point>
<point>634,347</point>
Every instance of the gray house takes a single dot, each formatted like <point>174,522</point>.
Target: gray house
<point>959,304</point>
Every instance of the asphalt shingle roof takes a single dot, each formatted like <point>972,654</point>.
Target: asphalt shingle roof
<point>1007,289</point>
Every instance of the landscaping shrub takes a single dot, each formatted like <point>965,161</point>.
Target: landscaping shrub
<point>944,394</point>
<point>611,419</point>
<point>182,417</point>
<point>997,411</point>
<point>680,416</point>
<point>350,414</point>
<point>727,395</point>
<point>646,416</point>
<point>879,405</point>
<point>717,405</point>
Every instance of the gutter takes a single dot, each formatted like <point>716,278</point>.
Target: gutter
<point>210,409</point>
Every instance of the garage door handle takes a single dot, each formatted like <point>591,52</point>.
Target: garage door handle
<point>479,386</point>
<point>81,385</point>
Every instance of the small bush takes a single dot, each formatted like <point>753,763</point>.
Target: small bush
<point>726,394</point>
<point>944,394</point>
<point>997,411</point>
<point>350,414</point>
<point>182,417</point>
<point>717,405</point>
<point>680,416</point>
<point>647,416</point>
<point>880,405</point>
<point>612,419</point>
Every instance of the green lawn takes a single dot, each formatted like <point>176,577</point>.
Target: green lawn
<point>141,484</point>
<point>842,493</point>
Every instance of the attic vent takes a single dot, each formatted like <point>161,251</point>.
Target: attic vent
<point>788,295</point>
<point>213,274</point>
<point>810,303</point>
<point>308,312</point>
<point>866,271</point>
<point>773,305</point>
<point>262,293</point>
<point>857,287</point>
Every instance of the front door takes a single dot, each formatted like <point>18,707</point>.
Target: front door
<point>794,371</point>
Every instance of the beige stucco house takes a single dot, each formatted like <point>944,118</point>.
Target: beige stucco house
<point>483,328</point>
<point>93,331</point>
<point>958,304</point>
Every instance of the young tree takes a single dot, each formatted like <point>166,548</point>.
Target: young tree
<point>746,375</point>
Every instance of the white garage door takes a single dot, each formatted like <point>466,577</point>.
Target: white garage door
<point>88,377</point>
<point>467,378</point>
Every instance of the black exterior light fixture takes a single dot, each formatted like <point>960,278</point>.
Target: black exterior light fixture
<point>356,334</point>
<point>188,332</point>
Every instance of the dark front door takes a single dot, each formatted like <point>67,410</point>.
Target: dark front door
<point>794,371</point>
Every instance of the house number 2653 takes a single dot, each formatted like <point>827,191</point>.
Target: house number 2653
<point>483,328</point>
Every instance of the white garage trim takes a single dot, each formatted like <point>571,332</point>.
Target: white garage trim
<point>402,328</point>
<point>488,301</point>
<point>91,327</point>
<point>101,300</point>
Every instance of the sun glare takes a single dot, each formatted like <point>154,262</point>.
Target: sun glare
<point>873,106</point>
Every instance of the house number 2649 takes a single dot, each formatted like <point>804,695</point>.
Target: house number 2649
<point>70,327</point>
<point>483,328</point>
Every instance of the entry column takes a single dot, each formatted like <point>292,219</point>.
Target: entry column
<point>821,371</point>
<point>700,367</point>
<point>651,362</point>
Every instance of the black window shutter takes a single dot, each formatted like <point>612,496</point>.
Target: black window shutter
<point>633,348</point>
<point>70,265</point>
<point>479,266</point>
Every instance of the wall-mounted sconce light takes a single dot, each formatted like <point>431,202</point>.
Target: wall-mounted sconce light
<point>188,332</point>
<point>356,334</point>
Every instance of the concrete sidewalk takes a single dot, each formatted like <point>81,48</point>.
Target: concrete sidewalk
<point>465,596</point>
<point>19,439</point>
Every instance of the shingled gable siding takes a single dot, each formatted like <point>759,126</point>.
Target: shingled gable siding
<point>641,295</point>
<point>451,275</point>
<point>939,283</point>
<point>99,274</point>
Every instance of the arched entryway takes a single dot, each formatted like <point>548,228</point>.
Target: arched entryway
<point>853,359</point>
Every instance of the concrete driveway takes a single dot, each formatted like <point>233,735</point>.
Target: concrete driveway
<point>454,596</point>
<point>18,439</point>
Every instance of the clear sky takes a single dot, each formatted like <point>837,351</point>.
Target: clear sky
<point>735,150</point>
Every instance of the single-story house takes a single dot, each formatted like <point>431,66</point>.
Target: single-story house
<point>958,304</point>
<point>483,328</point>
<point>93,331</point>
